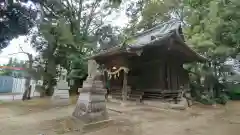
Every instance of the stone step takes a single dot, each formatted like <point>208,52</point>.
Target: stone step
<point>62,87</point>
<point>136,93</point>
<point>154,97</point>
<point>65,95</point>
<point>117,92</point>
<point>150,93</point>
<point>61,92</point>
<point>135,96</point>
<point>134,99</point>
<point>61,97</point>
<point>117,96</point>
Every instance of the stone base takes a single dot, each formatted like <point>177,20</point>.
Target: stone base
<point>89,111</point>
<point>167,105</point>
<point>97,125</point>
<point>129,103</point>
<point>61,102</point>
<point>60,97</point>
<point>89,118</point>
<point>83,127</point>
<point>110,99</point>
<point>91,104</point>
<point>62,94</point>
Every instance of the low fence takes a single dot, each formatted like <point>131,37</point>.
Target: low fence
<point>13,88</point>
<point>19,86</point>
<point>10,96</point>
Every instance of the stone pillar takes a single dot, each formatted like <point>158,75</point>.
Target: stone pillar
<point>91,106</point>
<point>61,90</point>
<point>125,88</point>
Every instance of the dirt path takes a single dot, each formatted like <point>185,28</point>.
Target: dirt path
<point>28,124</point>
<point>195,121</point>
<point>132,121</point>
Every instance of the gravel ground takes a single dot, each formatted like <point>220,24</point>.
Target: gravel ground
<point>40,117</point>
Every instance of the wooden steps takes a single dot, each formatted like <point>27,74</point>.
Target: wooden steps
<point>116,94</point>
<point>165,95</point>
<point>132,95</point>
<point>139,95</point>
<point>135,96</point>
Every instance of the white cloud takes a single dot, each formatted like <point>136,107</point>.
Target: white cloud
<point>13,48</point>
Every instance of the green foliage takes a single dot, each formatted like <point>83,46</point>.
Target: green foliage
<point>234,91</point>
<point>206,99</point>
<point>15,19</point>
<point>145,14</point>
<point>212,31</point>
<point>78,67</point>
<point>115,3</point>
<point>213,27</point>
<point>14,63</point>
<point>69,33</point>
<point>108,37</point>
<point>155,12</point>
<point>222,99</point>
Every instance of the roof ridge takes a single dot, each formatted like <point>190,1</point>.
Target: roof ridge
<point>159,25</point>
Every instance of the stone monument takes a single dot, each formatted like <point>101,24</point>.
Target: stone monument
<point>61,90</point>
<point>91,106</point>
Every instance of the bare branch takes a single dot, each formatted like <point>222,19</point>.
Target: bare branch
<point>91,16</point>
<point>49,10</point>
<point>13,54</point>
<point>21,48</point>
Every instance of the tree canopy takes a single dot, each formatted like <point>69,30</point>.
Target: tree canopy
<point>69,32</point>
<point>16,18</point>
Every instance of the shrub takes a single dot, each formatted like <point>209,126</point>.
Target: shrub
<point>205,99</point>
<point>223,98</point>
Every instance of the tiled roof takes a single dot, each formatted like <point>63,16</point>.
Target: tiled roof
<point>150,37</point>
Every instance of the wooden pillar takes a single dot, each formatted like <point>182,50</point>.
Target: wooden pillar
<point>169,76</point>
<point>124,88</point>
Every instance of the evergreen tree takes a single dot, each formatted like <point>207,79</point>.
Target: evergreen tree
<point>15,19</point>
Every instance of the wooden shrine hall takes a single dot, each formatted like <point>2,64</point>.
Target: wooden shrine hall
<point>151,67</point>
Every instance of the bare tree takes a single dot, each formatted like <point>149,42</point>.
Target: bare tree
<point>27,92</point>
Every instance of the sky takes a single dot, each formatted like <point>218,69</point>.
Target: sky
<point>119,19</point>
<point>14,47</point>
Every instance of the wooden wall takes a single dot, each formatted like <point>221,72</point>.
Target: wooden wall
<point>157,68</point>
<point>162,75</point>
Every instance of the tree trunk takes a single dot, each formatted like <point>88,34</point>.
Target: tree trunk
<point>50,86</point>
<point>49,76</point>
<point>27,92</point>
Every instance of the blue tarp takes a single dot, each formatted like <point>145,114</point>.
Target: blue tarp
<point>6,84</point>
